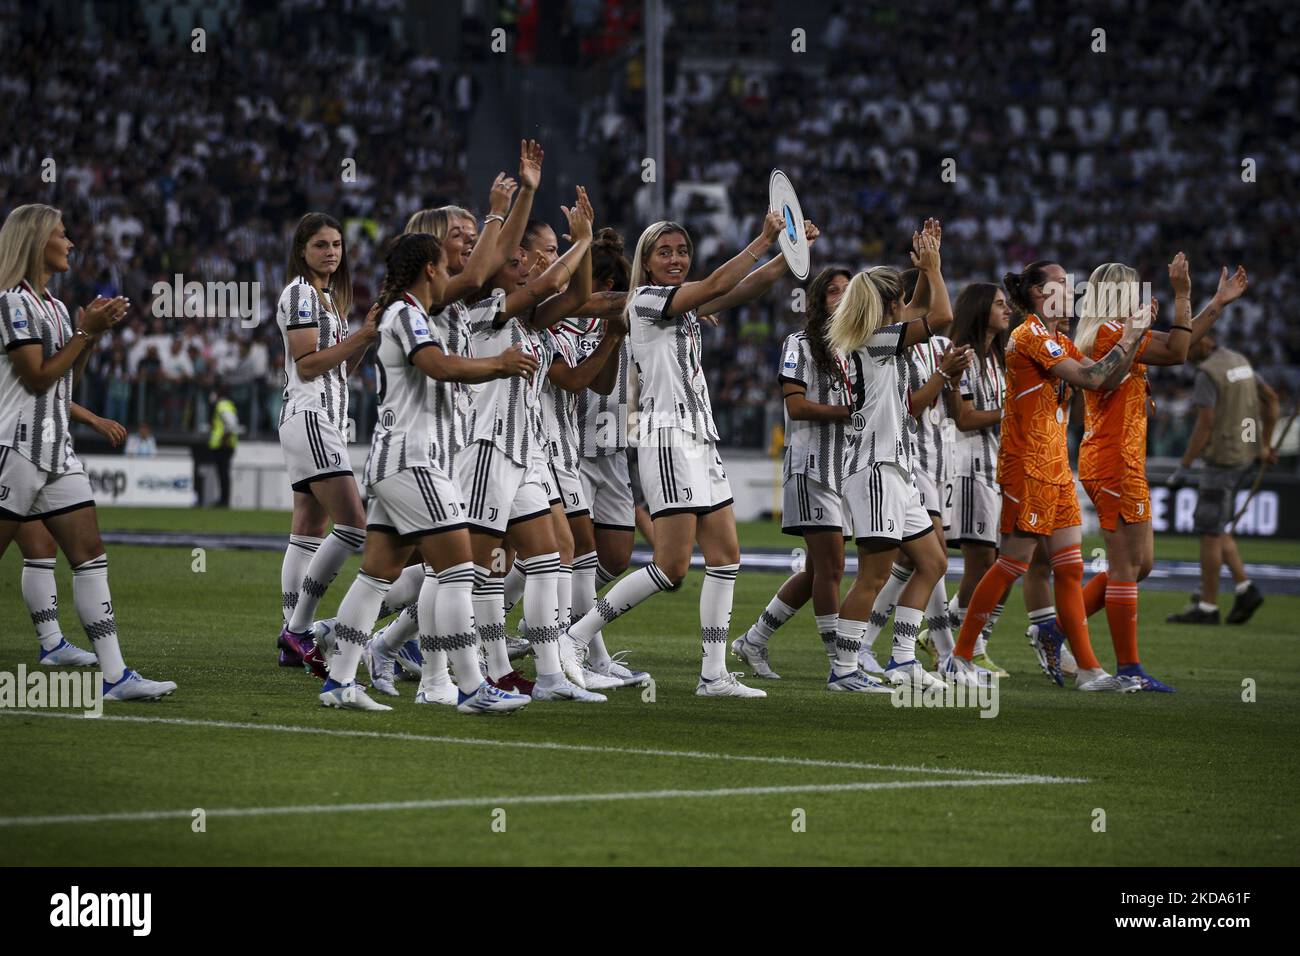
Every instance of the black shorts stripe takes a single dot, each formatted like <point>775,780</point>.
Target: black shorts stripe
<point>424,481</point>
<point>313,439</point>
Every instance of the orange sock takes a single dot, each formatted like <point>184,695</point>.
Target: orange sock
<point>1067,585</point>
<point>1094,593</point>
<point>1122,615</point>
<point>988,595</point>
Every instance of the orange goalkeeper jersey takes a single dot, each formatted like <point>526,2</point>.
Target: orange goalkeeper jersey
<point>1115,423</point>
<point>1033,420</point>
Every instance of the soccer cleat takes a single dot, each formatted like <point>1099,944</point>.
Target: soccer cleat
<point>293,647</point>
<point>959,671</point>
<point>438,692</point>
<point>755,655</point>
<point>925,652</point>
<point>986,662</point>
<point>857,682</point>
<point>517,647</point>
<point>1245,604</point>
<point>131,686</point>
<point>322,632</point>
<point>569,662</point>
<point>1047,641</point>
<point>1192,614</point>
<point>867,661</point>
<point>727,685</point>
<point>1069,666</point>
<point>513,683</point>
<point>593,679</point>
<point>382,667</point>
<point>490,700</point>
<point>1145,680</point>
<point>314,663</point>
<point>67,654</point>
<point>614,667</point>
<point>349,696</point>
<point>566,690</point>
<point>1096,679</point>
<point>910,672</point>
<point>409,660</point>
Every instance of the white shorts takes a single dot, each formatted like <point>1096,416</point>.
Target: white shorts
<point>607,484</point>
<point>499,491</point>
<point>975,512</point>
<point>809,505</point>
<point>884,503</point>
<point>929,492</point>
<point>28,494</point>
<point>414,502</point>
<point>681,475</point>
<point>567,485</point>
<point>313,449</point>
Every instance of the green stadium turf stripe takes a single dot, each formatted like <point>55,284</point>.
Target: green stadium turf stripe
<point>547,745</point>
<point>144,816</point>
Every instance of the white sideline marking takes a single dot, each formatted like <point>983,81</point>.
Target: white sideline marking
<point>148,815</point>
<point>545,745</point>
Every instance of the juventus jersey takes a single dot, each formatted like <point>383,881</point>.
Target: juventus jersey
<point>815,449</point>
<point>302,307</point>
<point>558,425</point>
<point>927,425</point>
<point>449,401</point>
<point>974,453</point>
<point>401,437</point>
<point>505,411</point>
<point>35,425</point>
<point>666,351</point>
<point>601,420</point>
<point>878,381</point>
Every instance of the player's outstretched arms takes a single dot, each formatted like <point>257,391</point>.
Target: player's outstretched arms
<point>759,281</point>
<point>692,295</point>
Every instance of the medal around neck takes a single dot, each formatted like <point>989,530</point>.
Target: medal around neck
<point>792,239</point>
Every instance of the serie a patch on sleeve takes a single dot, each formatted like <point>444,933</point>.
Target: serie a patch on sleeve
<point>1053,349</point>
<point>791,360</point>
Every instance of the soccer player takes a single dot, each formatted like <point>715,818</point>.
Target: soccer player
<point>1038,498</point>
<point>41,474</point>
<point>872,328</point>
<point>413,503</point>
<point>313,318</point>
<point>1112,457</point>
<point>685,483</point>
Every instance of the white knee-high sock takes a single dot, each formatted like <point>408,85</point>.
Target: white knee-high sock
<point>541,611</point>
<point>564,595</point>
<point>95,608</point>
<point>357,616</point>
<point>433,657</point>
<point>453,624</point>
<point>885,601</point>
<point>630,591</point>
<point>715,617</point>
<point>848,641</point>
<point>907,625</point>
<point>585,570</point>
<point>936,619</point>
<point>982,642</point>
<point>490,621</point>
<point>405,590</point>
<point>297,556</point>
<point>406,625</point>
<point>774,615</point>
<point>41,595</point>
<point>513,587</point>
<point>341,543</point>
<point>827,625</point>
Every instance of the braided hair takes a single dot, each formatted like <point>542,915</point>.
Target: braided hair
<point>608,260</point>
<point>404,260</point>
<point>818,315</point>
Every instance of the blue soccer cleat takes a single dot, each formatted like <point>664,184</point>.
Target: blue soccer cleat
<point>1146,680</point>
<point>1047,641</point>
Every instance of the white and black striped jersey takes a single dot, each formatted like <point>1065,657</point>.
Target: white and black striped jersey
<point>667,353</point>
<point>974,453</point>
<point>927,425</point>
<point>505,411</point>
<point>601,419</point>
<point>815,449</point>
<point>403,428</point>
<point>302,307</point>
<point>449,401</point>
<point>878,430</point>
<point>35,424</point>
<point>559,427</point>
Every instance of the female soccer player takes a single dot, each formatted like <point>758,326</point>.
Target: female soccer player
<point>685,484</point>
<point>814,386</point>
<point>1112,457</point>
<point>1038,499</point>
<point>413,502</point>
<point>40,472</point>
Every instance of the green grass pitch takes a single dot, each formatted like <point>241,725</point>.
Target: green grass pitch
<point>1200,777</point>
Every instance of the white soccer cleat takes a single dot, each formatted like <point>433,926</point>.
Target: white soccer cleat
<point>857,682</point>
<point>322,633</point>
<point>442,692</point>
<point>382,667</point>
<point>131,686</point>
<point>517,647</point>
<point>1097,679</point>
<point>593,679</point>
<point>867,661</point>
<point>490,700</point>
<point>614,667</point>
<point>566,690</point>
<point>910,673</point>
<point>1069,666</point>
<point>728,685</point>
<point>349,697</point>
<point>755,655</point>
<point>67,654</point>
<point>569,662</point>
<point>962,672</point>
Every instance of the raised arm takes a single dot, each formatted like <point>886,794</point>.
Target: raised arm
<point>530,177</point>
<point>602,305</point>
<point>484,261</point>
<point>692,295</point>
<point>1108,371</point>
<point>1170,348</point>
<point>756,284</point>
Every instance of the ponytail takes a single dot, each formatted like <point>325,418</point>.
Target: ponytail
<point>863,307</point>
<point>1018,284</point>
<point>405,259</point>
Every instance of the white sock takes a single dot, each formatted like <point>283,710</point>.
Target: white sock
<point>849,636</point>
<point>356,619</point>
<point>716,598</point>
<point>514,584</point>
<point>91,595</point>
<point>341,543</point>
<point>406,625</point>
<point>907,625</point>
<point>541,611</point>
<point>41,595</point>
<point>982,642</point>
<point>453,625</point>
<point>956,613</point>
<point>936,619</point>
<point>1243,587</point>
<point>490,621</point>
<point>564,595</point>
<point>405,590</point>
<point>1207,607</point>
<point>827,624</point>
<point>885,601</point>
<point>630,591</point>
<point>433,657</point>
<point>301,549</point>
<point>584,598</point>
<point>1042,615</point>
<point>776,614</point>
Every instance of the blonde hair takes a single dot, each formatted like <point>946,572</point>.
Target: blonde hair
<point>863,307</point>
<point>23,237</point>
<point>437,222</point>
<point>1112,295</point>
<point>640,272</point>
